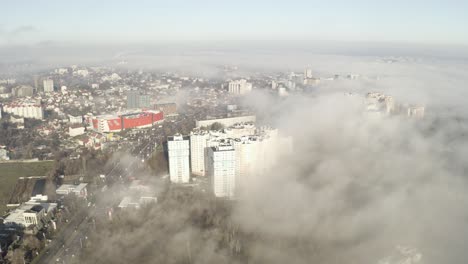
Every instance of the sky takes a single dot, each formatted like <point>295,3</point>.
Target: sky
<point>426,22</point>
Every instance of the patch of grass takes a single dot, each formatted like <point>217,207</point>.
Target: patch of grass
<point>10,172</point>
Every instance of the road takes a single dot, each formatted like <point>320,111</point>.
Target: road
<point>66,238</point>
<point>67,245</point>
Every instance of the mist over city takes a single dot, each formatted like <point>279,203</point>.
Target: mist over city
<point>233,132</point>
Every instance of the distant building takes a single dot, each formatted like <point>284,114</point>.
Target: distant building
<point>227,122</point>
<point>311,81</point>
<point>144,101</point>
<point>291,85</point>
<point>137,100</point>
<point>222,170</point>
<point>17,120</point>
<point>274,85</point>
<point>282,92</point>
<point>36,82</point>
<point>75,119</point>
<point>81,72</point>
<point>76,130</point>
<point>308,74</point>
<point>179,164</point>
<point>240,87</point>
<point>416,111</point>
<point>23,91</point>
<point>231,107</point>
<point>4,154</point>
<point>27,109</point>
<point>48,86</point>
<point>133,99</point>
<point>61,71</point>
<point>169,109</point>
<point>80,190</point>
<point>136,202</point>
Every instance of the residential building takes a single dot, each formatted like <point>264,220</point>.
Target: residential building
<point>75,119</point>
<point>179,163</point>
<point>144,101</point>
<point>222,170</point>
<point>198,144</point>
<point>23,91</point>
<point>27,109</point>
<point>240,87</point>
<point>76,130</point>
<point>308,74</point>
<point>48,86</point>
<point>80,190</point>
<point>137,100</point>
<point>133,99</point>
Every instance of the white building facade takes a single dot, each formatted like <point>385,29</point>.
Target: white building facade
<point>179,159</point>
<point>25,109</point>
<point>240,87</point>
<point>222,169</point>
<point>48,86</point>
<point>198,144</point>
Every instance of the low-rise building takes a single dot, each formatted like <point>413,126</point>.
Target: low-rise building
<point>4,154</point>
<point>31,213</point>
<point>76,130</point>
<point>75,119</point>
<point>80,190</point>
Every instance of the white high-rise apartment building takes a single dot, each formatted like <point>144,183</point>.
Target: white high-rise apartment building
<point>232,158</point>
<point>198,144</point>
<point>179,164</point>
<point>222,169</point>
<point>240,87</point>
<point>48,86</point>
<point>200,140</point>
<point>307,73</point>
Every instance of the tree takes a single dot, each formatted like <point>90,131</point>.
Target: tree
<point>217,126</point>
<point>16,256</point>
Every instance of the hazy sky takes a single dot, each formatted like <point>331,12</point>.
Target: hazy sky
<point>90,21</point>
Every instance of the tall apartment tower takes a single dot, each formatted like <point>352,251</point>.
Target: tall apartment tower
<point>222,169</point>
<point>36,82</point>
<point>133,99</point>
<point>198,145</point>
<point>240,87</point>
<point>308,74</point>
<point>144,101</point>
<point>179,164</point>
<point>137,100</point>
<point>48,86</point>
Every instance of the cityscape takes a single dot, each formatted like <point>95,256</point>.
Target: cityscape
<point>125,143</point>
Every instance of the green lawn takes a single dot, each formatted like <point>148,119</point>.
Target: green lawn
<point>10,172</point>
